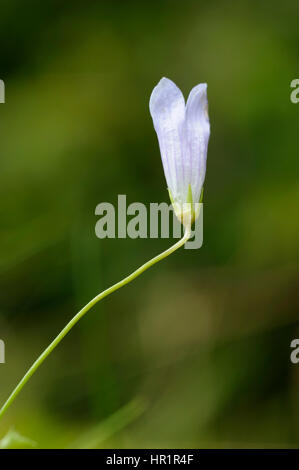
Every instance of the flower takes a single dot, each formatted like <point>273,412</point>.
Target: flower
<point>183,133</point>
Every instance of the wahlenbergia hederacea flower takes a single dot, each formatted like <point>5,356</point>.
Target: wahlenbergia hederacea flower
<point>183,133</point>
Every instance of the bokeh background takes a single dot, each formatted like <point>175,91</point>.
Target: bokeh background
<point>196,352</point>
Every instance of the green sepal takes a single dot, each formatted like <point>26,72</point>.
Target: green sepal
<point>189,200</point>
<point>201,195</point>
<point>189,195</point>
<point>170,196</point>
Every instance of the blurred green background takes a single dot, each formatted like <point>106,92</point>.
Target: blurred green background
<point>195,353</point>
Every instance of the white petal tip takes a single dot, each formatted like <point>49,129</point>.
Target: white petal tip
<point>165,92</point>
<point>198,99</point>
<point>201,89</point>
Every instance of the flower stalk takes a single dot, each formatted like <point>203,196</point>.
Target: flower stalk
<point>84,310</point>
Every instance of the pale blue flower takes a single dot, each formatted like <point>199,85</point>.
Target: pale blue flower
<point>183,132</point>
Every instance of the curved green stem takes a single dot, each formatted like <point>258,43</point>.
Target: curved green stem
<point>83,311</point>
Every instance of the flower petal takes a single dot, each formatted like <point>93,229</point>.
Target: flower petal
<point>197,130</point>
<point>167,107</point>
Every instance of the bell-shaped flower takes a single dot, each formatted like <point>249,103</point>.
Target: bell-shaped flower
<point>183,132</point>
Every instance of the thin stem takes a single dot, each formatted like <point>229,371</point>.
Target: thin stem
<point>84,310</point>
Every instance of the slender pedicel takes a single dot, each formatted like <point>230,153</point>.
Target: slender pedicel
<point>84,310</point>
